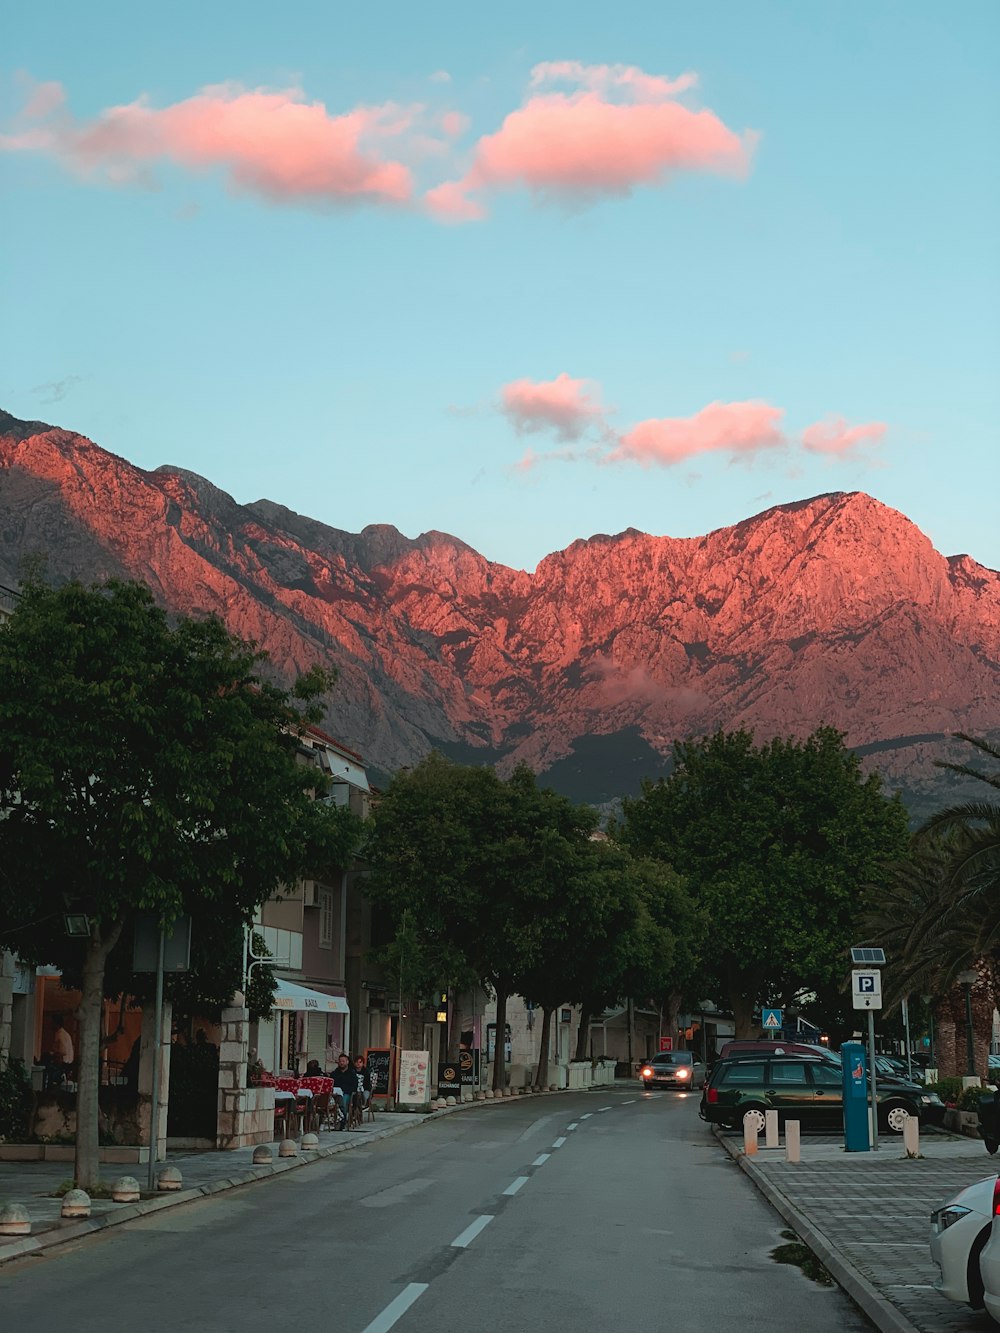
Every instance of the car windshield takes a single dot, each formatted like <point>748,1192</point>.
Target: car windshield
<point>673,1058</point>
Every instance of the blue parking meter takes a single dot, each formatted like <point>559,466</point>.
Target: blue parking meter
<point>857,1136</point>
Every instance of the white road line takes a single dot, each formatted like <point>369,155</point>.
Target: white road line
<point>515,1185</point>
<point>558,1143</point>
<point>541,1159</point>
<point>470,1233</point>
<point>605,1108</point>
<point>574,1125</point>
<point>397,1308</point>
<point>587,1116</point>
<point>630,1101</point>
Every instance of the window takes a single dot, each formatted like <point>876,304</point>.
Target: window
<point>325,917</point>
<point>789,1073</point>
<point>826,1076</point>
<point>745,1071</point>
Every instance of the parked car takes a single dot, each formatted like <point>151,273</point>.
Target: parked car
<point>673,1069</point>
<point>771,1046</point>
<point>989,1260</point>
<point>960,1229</point>
<point>804,1088</point>
<point>988,1112</point>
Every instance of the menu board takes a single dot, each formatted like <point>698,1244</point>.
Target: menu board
<point>414,1077</point>
<point>379,1062</point>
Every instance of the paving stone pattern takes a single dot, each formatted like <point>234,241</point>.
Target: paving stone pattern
<point>875,1209</point>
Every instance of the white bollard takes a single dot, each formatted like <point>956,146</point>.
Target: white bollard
<point>770,1129</point>
<point>793,1145</point>
<point>750,1132</point>
<point>911,1136</point>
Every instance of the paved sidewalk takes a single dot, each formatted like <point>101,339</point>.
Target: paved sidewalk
<point>867,1217</point>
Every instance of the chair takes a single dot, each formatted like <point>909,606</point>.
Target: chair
<point>304,1105</point>
<point>356,1112</point>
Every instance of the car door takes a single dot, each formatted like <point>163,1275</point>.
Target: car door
<point>789,1090</point>
<point>828,1092</point>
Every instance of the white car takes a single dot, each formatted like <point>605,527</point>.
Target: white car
<point>960,1229</point>
<point>989,1260</point>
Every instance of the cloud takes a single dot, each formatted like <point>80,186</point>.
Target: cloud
<point>56,390</point>
<point>272,144</point>
<point>835,436</point>
<point>454,124</point>
<point>739,429</point>
<point>440,76</point>
<point>566,406</point>
<point>617,129</point>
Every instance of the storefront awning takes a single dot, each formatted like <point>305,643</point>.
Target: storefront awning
<point>289,996</point>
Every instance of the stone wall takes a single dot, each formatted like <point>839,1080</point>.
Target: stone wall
<point>246,1115</point>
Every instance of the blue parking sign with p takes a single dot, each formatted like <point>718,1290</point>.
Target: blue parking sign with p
<point>866,985</point>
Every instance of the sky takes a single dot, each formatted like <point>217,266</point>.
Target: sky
<point>520,273</point>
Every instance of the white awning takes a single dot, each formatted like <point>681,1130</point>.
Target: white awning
<point>289,996</point>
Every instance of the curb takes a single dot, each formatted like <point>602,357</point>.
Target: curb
<point>64,1234</point>
<point>884,1315</point>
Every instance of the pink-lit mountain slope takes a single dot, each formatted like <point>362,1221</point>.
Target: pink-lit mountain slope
<point>832,610</point>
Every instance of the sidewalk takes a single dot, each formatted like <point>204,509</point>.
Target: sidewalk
<point>867,1217</point>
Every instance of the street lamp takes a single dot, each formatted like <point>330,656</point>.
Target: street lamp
<point>968,979</point>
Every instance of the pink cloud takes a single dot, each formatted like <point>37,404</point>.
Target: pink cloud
<point>836,436</point>
<point>739,429</point>
<point>564,405</point>
<point>454,124</point>
<point>617,130</point>
<point>271,144</point>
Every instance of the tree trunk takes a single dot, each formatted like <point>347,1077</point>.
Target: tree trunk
<point>460,1013</point>
<point>542,1073</point>
<point>671,1008</point>
<point>500,1047</point>
<point>582,1034</point>
<point>86,1166</point>
<point>743,1023</point>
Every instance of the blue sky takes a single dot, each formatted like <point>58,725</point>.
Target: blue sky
<point>348,359</point>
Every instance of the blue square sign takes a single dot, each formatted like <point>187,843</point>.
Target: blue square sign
<point>771,1020</point>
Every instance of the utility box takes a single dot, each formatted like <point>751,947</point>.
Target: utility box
<point>857,1136</point>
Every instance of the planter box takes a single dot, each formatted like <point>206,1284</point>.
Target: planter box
<point>21,1152</point>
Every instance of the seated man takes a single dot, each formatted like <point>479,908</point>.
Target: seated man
<point>345,1085</point>
<point>364,1079</point>
<point>313,1070</point>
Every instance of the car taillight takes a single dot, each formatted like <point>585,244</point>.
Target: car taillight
<point>647,1072</point>
<point>996,1197</point>
<point>712,1096</point>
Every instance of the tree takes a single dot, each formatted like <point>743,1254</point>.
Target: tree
<point>481,863</point>
<point>144,767</point>
<point>776,844</point>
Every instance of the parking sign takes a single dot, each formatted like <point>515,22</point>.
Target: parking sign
<point>866,988</point>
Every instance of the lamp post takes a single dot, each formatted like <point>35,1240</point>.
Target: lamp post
<point>968,979</point>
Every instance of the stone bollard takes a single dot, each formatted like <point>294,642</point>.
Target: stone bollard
<point>309,1142</point>
<point>451,1101</point>
<point>14,1220</point>
<point>911,1136</point>
<point>125,1190</point>
<point>750,1132</point>
<point>288,1148</point>
<point>770,1129</point>
<point>76,1203</point>
<point>169,1179</point>
<point>553,1087</point>
<point>793,1142</point>
<point>488,1094</point>
<point>262,1155</point>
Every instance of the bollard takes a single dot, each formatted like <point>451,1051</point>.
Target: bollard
<point>261,1155</point>
<point>125,1190</point>
<point>75,1203</point>
<point>793,1144</point>
<point>309,1142</point>
<point>14,1220</point>
<point>288,1148</point>
<point>770,1129</point>
<point>911,1136</point>
<point>750,1132</point>
<point>169,1179</point>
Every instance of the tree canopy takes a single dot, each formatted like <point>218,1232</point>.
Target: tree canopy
<point>144,767</point>
<point>778,844</point>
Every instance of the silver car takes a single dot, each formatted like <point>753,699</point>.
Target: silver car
<point>673,1069</point>
<point>960,1229</point>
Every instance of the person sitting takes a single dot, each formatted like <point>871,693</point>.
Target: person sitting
<point>313,1070</point>
<point>364,1079</point>
<point>345,1085</point>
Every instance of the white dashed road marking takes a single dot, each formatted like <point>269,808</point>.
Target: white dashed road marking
<point>541,1159</point>
<point>572,1126</point>
<point>587,1116</point>
<point>396,1308</point>
<point>515,1185</point>
<point>558,1143</point>
<point>470,1233</point>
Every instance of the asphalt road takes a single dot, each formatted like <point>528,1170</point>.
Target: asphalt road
<point>594,1213</point>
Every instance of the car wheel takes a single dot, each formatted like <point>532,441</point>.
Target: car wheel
<point>896,1114</point>
<point>974,1275</point>
<point>754,1114</point>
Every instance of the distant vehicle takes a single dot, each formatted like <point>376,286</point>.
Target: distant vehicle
<point>673,1069</point>
<point>960,1229</point>
<point>989,1260</point>
<point>805,1088</point>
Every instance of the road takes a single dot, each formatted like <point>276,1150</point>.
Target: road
<point>591,1212</point>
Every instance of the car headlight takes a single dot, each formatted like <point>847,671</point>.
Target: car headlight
<point>946,1217</point>
<point>931,1099</point>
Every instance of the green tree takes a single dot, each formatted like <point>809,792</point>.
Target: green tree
<point>147,767</point>
<point>778,845</point>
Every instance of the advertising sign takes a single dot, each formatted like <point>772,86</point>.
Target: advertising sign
<point>414,1077</point>
<point>468,1062</point>
<point>378,1060</point>
<point>666,1043</point>
<point>450,1079</point>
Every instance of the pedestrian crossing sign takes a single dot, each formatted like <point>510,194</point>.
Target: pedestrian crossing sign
<point>772,1020</point>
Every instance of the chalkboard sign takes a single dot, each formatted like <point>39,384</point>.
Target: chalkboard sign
<point>379,1061</point>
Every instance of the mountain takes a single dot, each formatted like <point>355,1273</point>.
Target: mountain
<point>832,610</point>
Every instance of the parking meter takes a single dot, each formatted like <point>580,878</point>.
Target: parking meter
<point>857,1137</point>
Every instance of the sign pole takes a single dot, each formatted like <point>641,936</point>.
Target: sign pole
<point>906,1030</point>
<point>872,1080</point>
